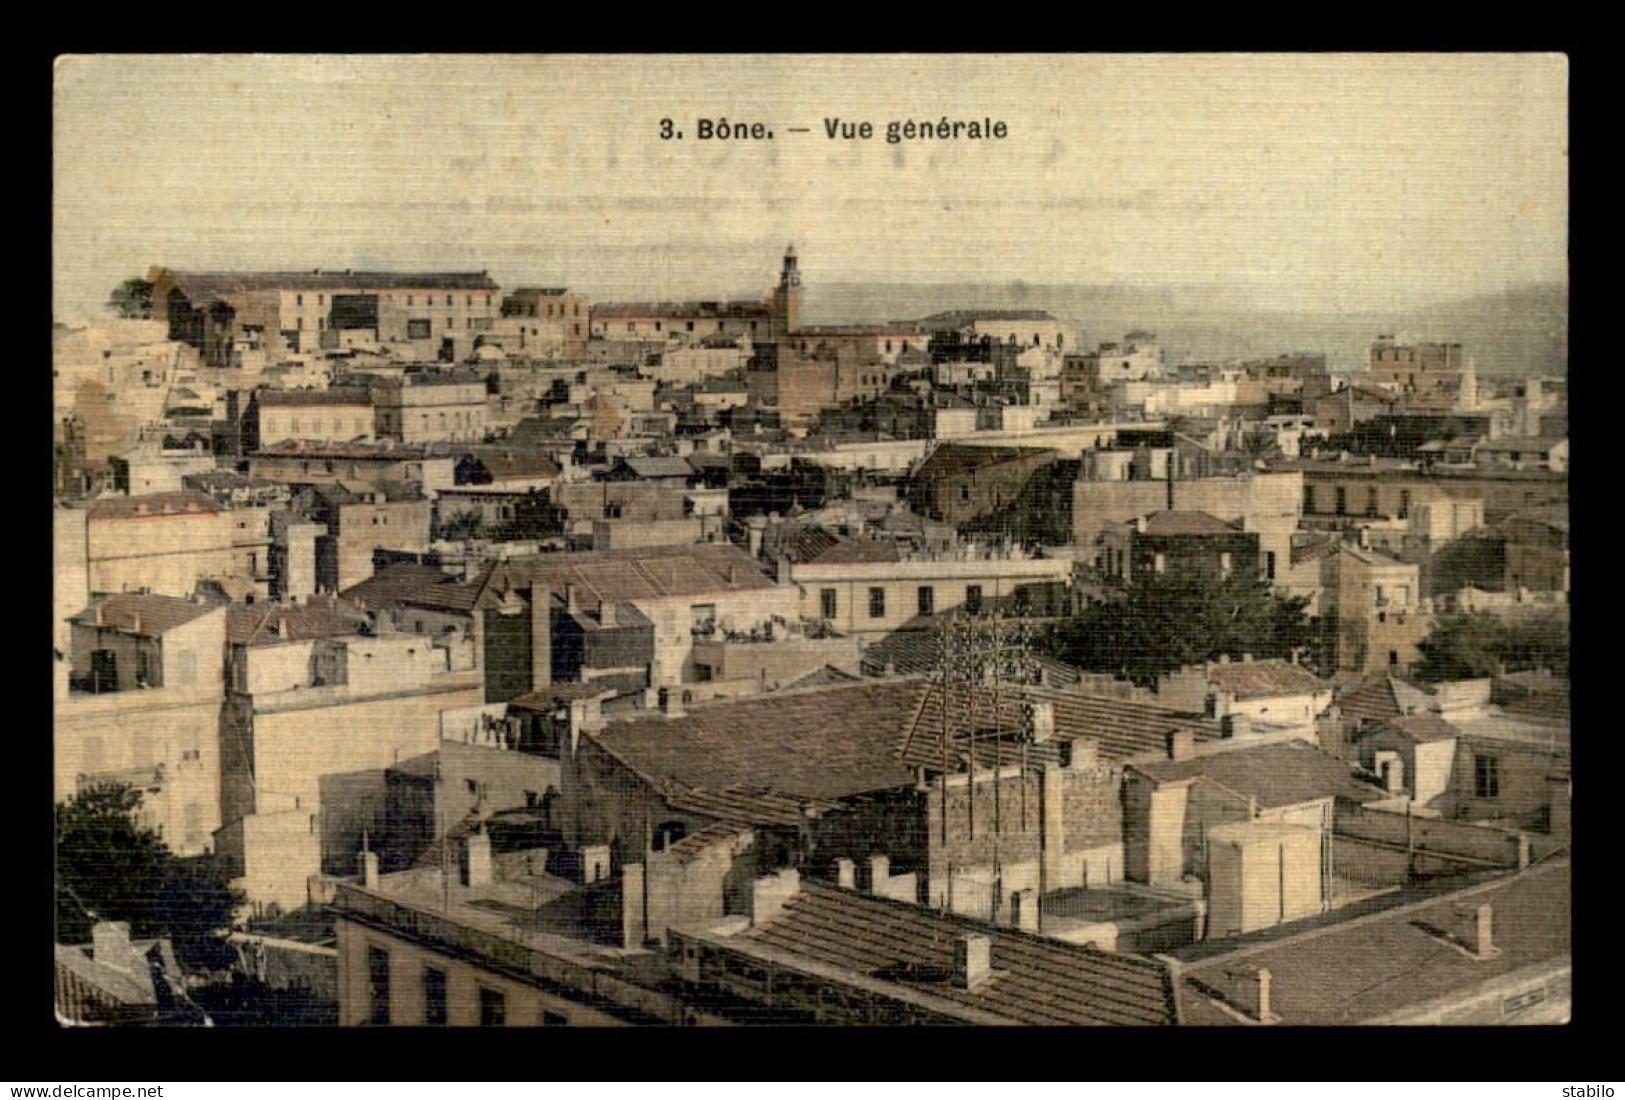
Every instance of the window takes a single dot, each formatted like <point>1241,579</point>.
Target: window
<point>964,494</point>
<point>377,986</point>
<point>448,299</point>
<point>493,1008</point>
<point>1404,504</point>
<point>827,603</point>
<point>1224,564</point>
<point>1269,565</point>
<point>973,598</point>
<point>434,997</point>
<point>1342,501</point>
<point>1371,501</point>
<point>1486,777</point>
<point>1309,499</point>
<point>928,600</point>
<point>877,603</point>
<point>1393,658</point>
<point>1159,563</point>
<point>298,299</point>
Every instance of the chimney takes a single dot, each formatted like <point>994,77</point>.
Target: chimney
<point>782,573</point>
<point>606,613</point>
<point>671,701</point>
<point>476,863</point>
<point>1483,933</point>
<point>879,873</point>
<point>101,619</point>
<point>1246,658</point>
<point>571,599</point>
<point>1040,721</point>
<point>1181,744</point>
<point>1256,996</point>
<point>110,944</point>
<point>1224,658</point>
<point>846,874</point>
<point>973,960</point>
<point>139,625</point>
<point>369,870</point>
<point>1024,910</point>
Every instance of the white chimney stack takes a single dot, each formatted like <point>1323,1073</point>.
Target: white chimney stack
<point>973,960</point>
<point>1484,933</point>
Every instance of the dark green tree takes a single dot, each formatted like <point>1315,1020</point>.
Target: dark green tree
<point>132,299</point>
<point>110,867</point>
<point>1164,622</point>
<point>1475,645</point>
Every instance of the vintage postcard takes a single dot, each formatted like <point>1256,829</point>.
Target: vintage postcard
<point>810,539</point>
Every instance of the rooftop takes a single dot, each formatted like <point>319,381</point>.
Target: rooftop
<point>1033,980</point>
<point>1282,773</point>
<point>1254,679</point>
<point>153,504</point>
<point>1381,695</point>
<point>1181,524</point>
<point>141,614</point>
<point>756,760</point>
<point>264,624</point>
<point>202,286</point>
<point>625,576</point>
<point>1359,970</point>
<point>415,585</point>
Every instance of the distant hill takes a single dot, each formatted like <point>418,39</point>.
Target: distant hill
<point>1521,332</point>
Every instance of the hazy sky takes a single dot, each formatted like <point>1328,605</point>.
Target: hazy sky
<point>1333,182</point>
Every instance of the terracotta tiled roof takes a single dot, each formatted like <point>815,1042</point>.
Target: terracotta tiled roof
<point>1282,773</point>
<point>916,652</point>
<point>1422,727</point>
<point>1383,696</point>
<point>1178,524</point>
<point>949,459</point>
<point>1357,970</point>
<point>958,318</point>
<point>272,624</point>
<point>1034,980</point>
<point>1119,730</point>
<point>153,504</point>
<point>408,583</point>
<point>857,550</point>
<point>771,753</point>
<point>338,395</point>
<point>625,576</point>
<point>1252,679</point>
<point>156,614</point>
<point>201,286</point>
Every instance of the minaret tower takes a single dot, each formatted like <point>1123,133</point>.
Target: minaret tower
<point>787,297</point>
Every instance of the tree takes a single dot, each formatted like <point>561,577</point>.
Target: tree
<point>1260,443</point>
<point>1164,622</point>
<point>1475,645</point>
<point>110,867</point>
<point>132,299</point>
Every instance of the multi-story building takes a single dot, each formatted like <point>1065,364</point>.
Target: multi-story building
<point>138,699</point>
<point>869,588</point>
<point>162,542</point>
<point>1426,377</point>
<point>1372,607</point>
<point>428,316</point>
<point>962,482</point>
<point>322,698</point>
<point>429,408</point>
<point>1179,544</point>
<point>387,515</point>
<point>1021,327</point>
<point>544,323</point>
<point>338,414</point>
